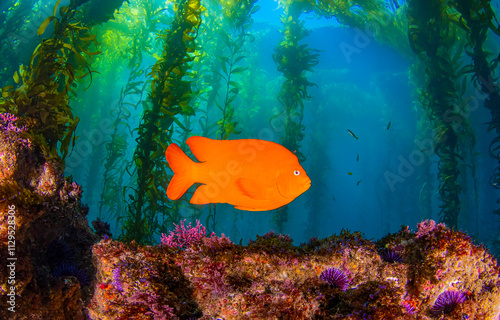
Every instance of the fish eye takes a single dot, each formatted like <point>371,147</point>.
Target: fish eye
<point>296,172</point>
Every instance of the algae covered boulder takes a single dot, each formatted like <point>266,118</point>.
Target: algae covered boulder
<point>44,234</point>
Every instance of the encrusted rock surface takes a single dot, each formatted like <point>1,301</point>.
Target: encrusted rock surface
<point>271,279</point>
<point>45,239</point>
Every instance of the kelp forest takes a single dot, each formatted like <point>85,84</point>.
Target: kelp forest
<point>392,107</point>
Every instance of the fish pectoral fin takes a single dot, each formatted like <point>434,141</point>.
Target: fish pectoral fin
<point>253,189</point>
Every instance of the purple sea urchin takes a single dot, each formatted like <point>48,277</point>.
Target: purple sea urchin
<point>71,270</point>
<point>447,301</point>
<point>391,256</point>
<point>336,278</point>
<point>59,252</point>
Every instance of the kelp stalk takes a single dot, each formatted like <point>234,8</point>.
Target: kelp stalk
<point>477,19</point>
<point>293,60</point>
<point>170,96</point>
<point>432,35</point>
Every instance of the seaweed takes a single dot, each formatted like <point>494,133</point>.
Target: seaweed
<point>226,125</point>
<point>13,35</point>
<point>476,19</point>
<point>210,67</point>
<point>370,19</point>
<point>226,59</point>
<point>115,161</point>
<point>115,166</point>
<point>41,98</point>
<point>293,60</point>
<point>170,96</point>
<point>432,36</point>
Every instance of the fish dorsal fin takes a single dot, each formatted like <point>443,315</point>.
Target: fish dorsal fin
<point>253,188</point>
<point>204,149</point>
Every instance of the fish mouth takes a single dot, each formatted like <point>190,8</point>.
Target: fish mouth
<point>286,195</point>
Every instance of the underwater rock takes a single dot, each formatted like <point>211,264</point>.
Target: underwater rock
<point>43,227</point>
<point>214,278</point>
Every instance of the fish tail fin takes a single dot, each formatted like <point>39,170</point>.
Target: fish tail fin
<point>182,166</point>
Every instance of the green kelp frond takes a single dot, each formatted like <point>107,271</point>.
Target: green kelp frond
<point>238,15</point>
<point>371,19</point>
<point>43,88</point>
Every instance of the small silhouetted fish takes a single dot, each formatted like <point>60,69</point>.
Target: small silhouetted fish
<point>352,134</point>
<point>349,173</point>
<point>357,183</point>
<point>333,197</point>
<point>389,125</point>
<point>357,158</point>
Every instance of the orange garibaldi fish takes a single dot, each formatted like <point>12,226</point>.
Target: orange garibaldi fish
<point>251,174</point>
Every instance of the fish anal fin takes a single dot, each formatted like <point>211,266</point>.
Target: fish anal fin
<point>253,189</point>
<point>200,196</point>
<point>178,185</point>
<point>247,208</point>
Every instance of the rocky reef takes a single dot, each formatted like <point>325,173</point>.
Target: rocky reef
<point>55,267</point>
<point>435,273</point>
<point>45,240</point>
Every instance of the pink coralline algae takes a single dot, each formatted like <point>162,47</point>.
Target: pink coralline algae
<point>15,150</point>
<point>426,226</point>
<point>182,237</point>
<point>7,123</point>
<point>9,127</point>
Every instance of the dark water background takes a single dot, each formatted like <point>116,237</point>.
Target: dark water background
<point>362,91</point>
